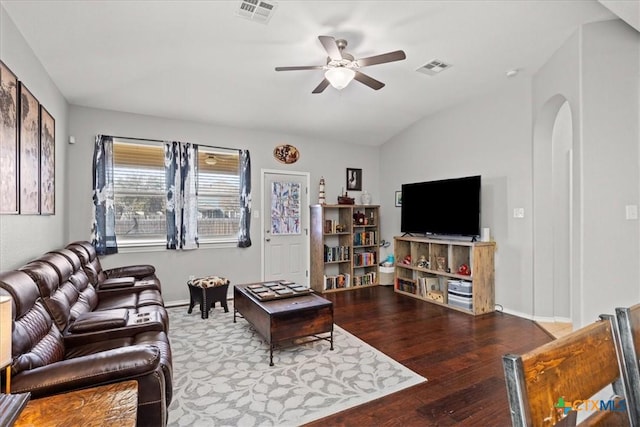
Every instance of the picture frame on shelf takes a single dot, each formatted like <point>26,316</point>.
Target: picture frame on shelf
<point>29,121</point>
<point>9,141</point>
<point>354,179</point>
<point>398,199</point>
<point>47,163</point>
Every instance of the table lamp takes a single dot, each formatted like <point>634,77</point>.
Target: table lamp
<point>5,338</point>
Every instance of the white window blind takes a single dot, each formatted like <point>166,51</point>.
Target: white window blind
<point>139,193</point>
<point>218,193</point>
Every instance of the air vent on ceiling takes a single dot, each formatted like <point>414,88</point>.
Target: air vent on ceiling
<point>256,10</point>
<point>433,67</point>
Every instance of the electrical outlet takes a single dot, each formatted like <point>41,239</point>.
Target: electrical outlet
<point>518,213</point>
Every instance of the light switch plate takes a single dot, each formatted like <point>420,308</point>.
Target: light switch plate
<point>631,211</point>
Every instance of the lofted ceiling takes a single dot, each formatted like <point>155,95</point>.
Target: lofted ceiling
<point>200,61</point>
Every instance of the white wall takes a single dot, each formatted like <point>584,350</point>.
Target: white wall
<point>489,136</point>
<point>555,83</point>
<point>597,71</point>
<point>318,157</point>
<point>23,236</point>
<point>611,138</point>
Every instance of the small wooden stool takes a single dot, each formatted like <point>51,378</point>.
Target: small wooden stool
<point>206,291</point>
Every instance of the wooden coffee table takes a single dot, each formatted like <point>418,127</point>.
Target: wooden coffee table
<point>281,321</point>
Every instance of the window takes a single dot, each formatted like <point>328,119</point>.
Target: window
<point>140,195</point>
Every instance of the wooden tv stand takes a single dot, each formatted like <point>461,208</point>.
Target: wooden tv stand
<point>430,282</point>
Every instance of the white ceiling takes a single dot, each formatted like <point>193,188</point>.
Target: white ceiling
<point>197,60</point>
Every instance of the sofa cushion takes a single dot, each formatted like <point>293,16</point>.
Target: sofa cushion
<point>36,341</point>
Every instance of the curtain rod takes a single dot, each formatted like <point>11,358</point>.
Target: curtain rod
<point>158,140</point>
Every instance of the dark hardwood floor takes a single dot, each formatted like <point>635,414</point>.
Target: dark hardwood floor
<point>459,354</point>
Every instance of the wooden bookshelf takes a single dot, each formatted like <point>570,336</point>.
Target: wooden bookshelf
<point>344,247</point>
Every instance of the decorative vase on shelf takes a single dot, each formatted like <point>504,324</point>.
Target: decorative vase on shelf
<point>365,197</point>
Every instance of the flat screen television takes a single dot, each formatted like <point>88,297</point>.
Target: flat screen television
<point>447,207</point>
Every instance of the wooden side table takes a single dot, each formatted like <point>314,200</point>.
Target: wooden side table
<point>109,405</point>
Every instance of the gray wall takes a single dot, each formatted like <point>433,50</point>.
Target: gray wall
<point>597,71</point>
<point>23,236</point>
<point>611,138</point>
<point>489,136</point>
<point>318,157</point>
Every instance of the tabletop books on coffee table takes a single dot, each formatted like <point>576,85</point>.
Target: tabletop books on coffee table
<point>277,290</point>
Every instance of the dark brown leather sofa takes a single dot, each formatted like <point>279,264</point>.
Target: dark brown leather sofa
<point>144,275</point>
<point>67,335</point>
<point>68,294</point>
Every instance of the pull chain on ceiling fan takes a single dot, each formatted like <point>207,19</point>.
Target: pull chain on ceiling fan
<point>342,67</point>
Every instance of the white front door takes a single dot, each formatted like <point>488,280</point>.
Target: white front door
<point>285,226</point>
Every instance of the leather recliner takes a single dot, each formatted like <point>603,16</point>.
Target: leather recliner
<point>68,295</point>
<point>144,274</point>
<point>45,363</point>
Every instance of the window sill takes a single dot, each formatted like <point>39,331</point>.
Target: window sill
<point>139,247</point>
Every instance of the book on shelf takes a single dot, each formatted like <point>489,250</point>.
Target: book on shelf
<point>365,279</point>
<point>336,253</point>
<point>338,281</point>
<point>331,226</point>
<point>406,285</point>
<point>365,238</point>
<point>362,259</point>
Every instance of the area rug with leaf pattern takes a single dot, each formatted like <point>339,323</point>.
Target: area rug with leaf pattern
<point>222,377</point>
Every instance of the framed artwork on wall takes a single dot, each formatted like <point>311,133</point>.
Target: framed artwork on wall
<point>29,136</point>
<point>398,199</point>
<point>8,141</point>
<point>354,179</point>
<point>47,162</point>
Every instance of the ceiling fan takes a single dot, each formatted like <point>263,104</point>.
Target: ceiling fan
<point>342,67</point>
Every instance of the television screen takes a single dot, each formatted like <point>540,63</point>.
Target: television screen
<point>448,206</point>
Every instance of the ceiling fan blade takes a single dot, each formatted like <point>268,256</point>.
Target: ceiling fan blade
<point>329,44</point>
<point>369,81</point>
<point>302,67</point>
<point>321,87</point>
<point>398,55</point>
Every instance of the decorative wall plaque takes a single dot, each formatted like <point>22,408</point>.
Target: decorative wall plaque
<point>286,153</point>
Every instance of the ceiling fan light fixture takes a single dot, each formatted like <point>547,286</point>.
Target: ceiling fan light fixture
<point>210,160</point>
<point>339,77</point>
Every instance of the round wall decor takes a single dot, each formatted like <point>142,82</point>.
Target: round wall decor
<point>286,153</point>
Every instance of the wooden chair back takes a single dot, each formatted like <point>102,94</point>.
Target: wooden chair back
<point>545,384</point>
<point>628,322</point>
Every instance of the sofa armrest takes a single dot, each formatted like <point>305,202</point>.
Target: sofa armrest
<point>138,271</point>
<point>105,367</point>
<point>117,282</point>
<point>133,327</point>
<point>99,320</point>
<point>138,286</point>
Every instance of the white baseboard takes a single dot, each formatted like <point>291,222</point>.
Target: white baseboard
<point>517,313</point>
<point>552,319</point>
<point>182,302</point>
<point>543,319</point>
<point>177,303</point>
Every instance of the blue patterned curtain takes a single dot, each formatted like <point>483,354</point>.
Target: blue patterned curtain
<point>103,235</point>
<point>244,236</point>
<point>180,163</point>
